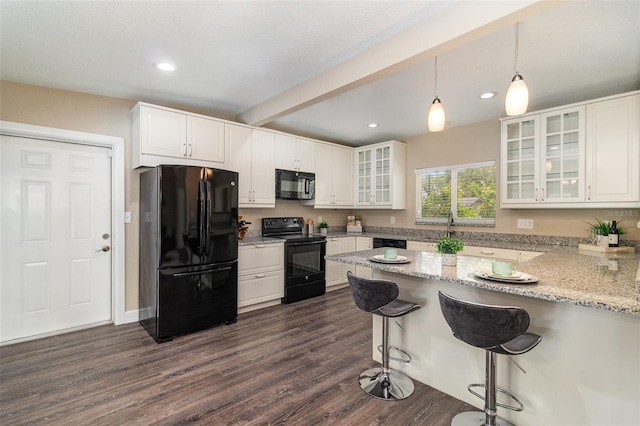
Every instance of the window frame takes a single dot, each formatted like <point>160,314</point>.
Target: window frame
<point>480,222</point>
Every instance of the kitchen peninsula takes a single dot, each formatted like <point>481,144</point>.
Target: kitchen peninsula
<point>586,307</point>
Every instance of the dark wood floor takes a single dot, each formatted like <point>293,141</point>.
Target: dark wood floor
<point>290,364</point>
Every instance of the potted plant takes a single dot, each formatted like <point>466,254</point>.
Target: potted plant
<point>324,227</point>
<point>449,247</point>
<point>600,231</point>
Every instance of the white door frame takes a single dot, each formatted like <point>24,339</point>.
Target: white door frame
<point>116,144</point>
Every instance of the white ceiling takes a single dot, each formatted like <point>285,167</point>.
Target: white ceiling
<point>325,69</point>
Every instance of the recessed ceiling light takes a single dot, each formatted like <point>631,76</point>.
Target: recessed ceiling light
<point>165,66</point>
<point>372,125</point>
<point>487,95</point>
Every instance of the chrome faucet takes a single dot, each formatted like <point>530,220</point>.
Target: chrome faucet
<point>449,223</point>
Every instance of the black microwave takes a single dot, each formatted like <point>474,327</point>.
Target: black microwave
<point>291,185</point>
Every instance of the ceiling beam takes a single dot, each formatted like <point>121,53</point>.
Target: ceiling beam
<point>457,24</point>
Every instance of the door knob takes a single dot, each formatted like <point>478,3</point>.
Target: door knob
<point>104,248</point>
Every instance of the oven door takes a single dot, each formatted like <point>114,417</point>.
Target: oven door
<point>305,262</point>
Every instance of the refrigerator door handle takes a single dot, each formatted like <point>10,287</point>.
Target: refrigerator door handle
<point>202,198</point>
<point>209,215</point>
<point>188,274</point>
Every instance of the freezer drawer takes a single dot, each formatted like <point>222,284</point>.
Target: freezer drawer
<point>191,300</point>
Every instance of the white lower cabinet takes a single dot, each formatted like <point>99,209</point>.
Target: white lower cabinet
<point>260,276</point>
<point>497,253</point>
<point>421,246</point>
<point>336,273</point>
<point>364,243</point>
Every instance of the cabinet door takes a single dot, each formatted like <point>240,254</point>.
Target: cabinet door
<point>562,151</point>
<point>324,195</point>
<point>382,175</point>
<point>363,176</point>
<point>364,243</point>
<point>285,152</point>
<point>613,150</point>
<point>205,139</point>
<point>263,168</point>
<point>342,176</point>
<point>520,161</point>
<point>306,155</point>
<point>333,269</point>
<point>239,143</point>
<point>162,132</point>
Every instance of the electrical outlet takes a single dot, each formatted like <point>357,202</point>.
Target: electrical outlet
<point>393,220</point>
<point>127,217</point>
<point>525,223</point>
<point>638,224</point>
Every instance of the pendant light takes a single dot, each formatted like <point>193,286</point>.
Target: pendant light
<point>435,119</point>
<point>517,99</point>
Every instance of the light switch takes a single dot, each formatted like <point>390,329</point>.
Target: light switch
<point>127,217</point>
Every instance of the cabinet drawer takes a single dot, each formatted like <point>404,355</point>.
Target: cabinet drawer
<point>421,246</point>
<point>260,258</point>
<point>491,253</point>
<point>260,287</point>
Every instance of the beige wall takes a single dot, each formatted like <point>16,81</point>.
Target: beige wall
<point>111,116</point>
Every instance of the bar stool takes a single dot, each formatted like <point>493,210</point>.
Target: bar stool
<point>497,330</point>
<point>380,298</point>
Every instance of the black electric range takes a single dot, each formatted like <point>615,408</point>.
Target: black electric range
<point>303,257</point>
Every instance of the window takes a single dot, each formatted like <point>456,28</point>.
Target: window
<point>468,191</point>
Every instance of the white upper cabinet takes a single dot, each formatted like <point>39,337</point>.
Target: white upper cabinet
<point>334,176</point>
<point>381,175</point>
<point>252,155</point>
<point>166,136</point>
<point>293,153</point>
<point>613,150</point>
<point>543,158</point>
<point>205,139</point>
<point>578,156</point>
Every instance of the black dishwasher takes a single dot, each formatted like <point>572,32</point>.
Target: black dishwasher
<point>389,242</point>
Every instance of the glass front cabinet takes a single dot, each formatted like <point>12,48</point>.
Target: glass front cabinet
<point>543,159</point>
<point>380,179</point>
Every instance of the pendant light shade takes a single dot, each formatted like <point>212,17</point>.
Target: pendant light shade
<point>435,119</point>
<point>517,99</point>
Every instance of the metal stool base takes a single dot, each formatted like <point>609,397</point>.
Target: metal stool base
<point>475,418</point>
<point>391,386</point>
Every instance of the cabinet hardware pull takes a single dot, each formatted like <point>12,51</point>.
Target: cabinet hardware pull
<point>260,246</point>
<point>190,150</point>
<point>536,194</point>
<point>260,275</point>
<point>542,192</point>
<point>589,192</point>
<point>185,149</point>
<point>487,252</point>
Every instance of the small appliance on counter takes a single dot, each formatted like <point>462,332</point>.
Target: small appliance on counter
<point>188,249</point>
<point>303,257</point>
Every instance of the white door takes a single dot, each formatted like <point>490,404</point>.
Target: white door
<point>55,236</point>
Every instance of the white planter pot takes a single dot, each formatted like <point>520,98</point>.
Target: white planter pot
<point>449,259</point>
<point>323,231</point>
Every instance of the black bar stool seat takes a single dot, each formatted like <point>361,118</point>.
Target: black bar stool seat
<point>497,330</point>
<point>380,297</point>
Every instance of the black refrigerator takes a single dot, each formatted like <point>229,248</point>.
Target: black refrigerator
<point>188,249</point>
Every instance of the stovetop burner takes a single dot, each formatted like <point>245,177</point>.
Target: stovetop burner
<point>287,228</point>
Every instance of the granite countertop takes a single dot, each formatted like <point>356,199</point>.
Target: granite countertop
<point>254,240</point>
<point>596,280</point>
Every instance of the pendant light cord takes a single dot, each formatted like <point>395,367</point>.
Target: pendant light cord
<point>436,66</point>
<point>516,48</point>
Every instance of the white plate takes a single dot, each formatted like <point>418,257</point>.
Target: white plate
<point>380,259</point>
<point>517,278</point>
